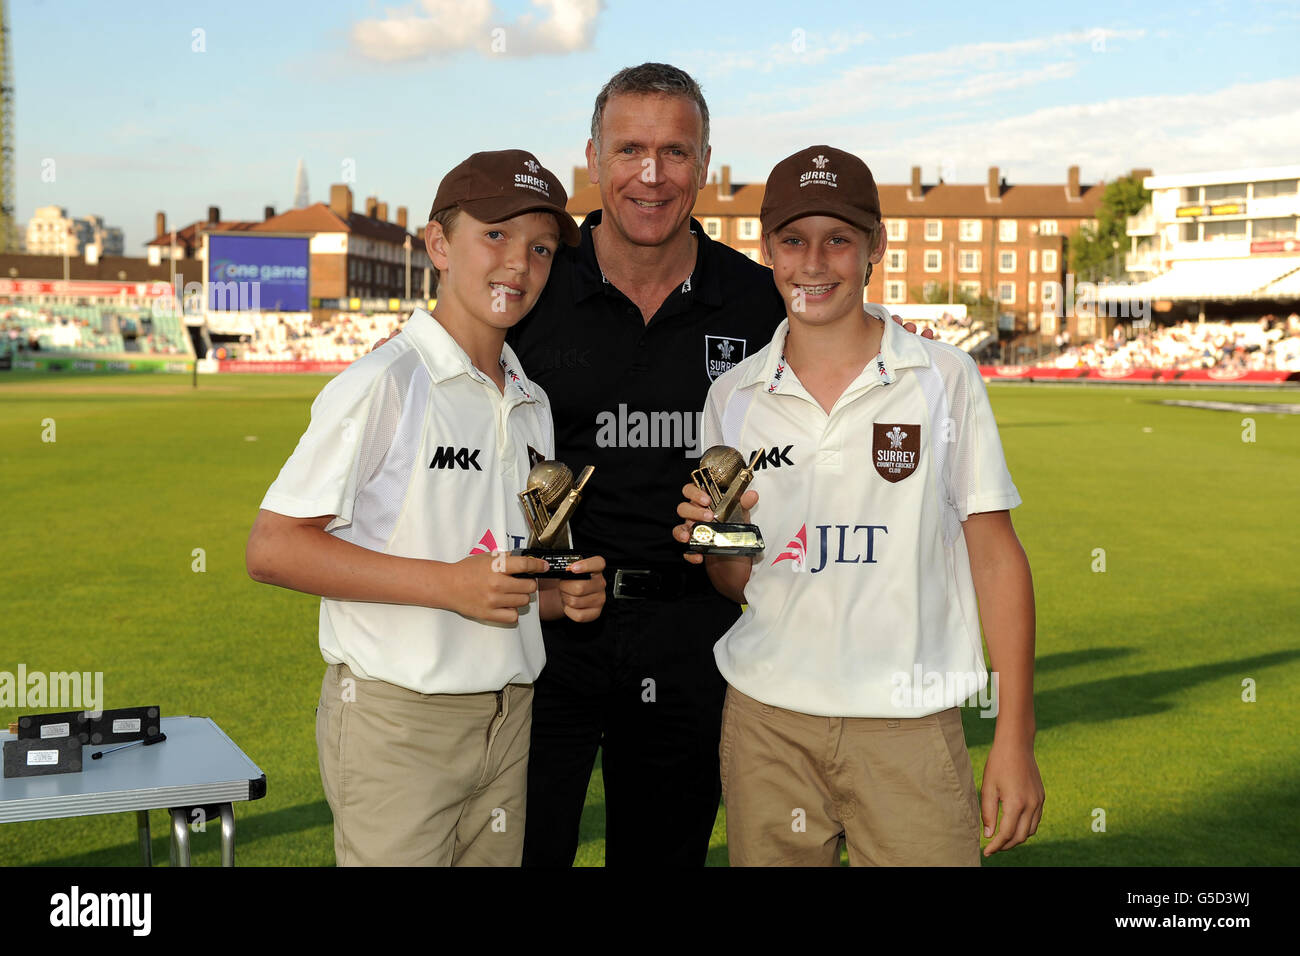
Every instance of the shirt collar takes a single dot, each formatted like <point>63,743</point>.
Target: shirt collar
<point>446,359</point>
<point>703,284</point>
<point>899,349</point>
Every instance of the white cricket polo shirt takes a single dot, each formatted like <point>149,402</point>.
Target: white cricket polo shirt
<point>862,605</point>
<point>418,454</point>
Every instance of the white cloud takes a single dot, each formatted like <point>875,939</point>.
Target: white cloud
<point>448,26</point>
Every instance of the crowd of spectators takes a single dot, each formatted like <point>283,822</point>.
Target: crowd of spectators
<point>85,329</point>
<point>1268,343</point>
<point>344,336</point>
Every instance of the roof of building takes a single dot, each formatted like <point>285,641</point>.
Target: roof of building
<point>1032,201</point>
<point>319,217</point>
<point>188,235</point>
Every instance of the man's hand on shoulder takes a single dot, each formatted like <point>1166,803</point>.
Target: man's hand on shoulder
<point>395,332</point>
<point>909,326</point>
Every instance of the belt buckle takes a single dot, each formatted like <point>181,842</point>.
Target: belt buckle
<point>635,580</point>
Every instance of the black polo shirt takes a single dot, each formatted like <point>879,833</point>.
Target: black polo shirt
<point>627,394</point>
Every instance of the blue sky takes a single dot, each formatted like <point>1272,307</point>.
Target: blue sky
<point>140,113</point>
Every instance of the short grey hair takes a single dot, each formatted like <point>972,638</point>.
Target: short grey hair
<point>649,79</point>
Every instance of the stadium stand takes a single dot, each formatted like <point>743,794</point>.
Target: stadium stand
<point>291,337</point>
<point>91,328</point>
<point>1266,344</point>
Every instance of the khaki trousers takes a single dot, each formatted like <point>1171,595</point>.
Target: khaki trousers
<point>899,792</point>
<point>423,779</point>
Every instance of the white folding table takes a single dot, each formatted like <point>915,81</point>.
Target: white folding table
<point>197,766</point>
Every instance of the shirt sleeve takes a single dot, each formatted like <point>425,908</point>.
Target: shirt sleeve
<point>981,481</point>
<point>352,424</point>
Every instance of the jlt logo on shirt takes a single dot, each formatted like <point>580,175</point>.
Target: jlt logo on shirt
<point>449,456</point>
<point>836,544</point>
<point>895,450</point>
<point>720,353</point>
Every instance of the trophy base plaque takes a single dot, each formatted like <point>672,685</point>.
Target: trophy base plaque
<point>720,537</point>
<point>558,560</point>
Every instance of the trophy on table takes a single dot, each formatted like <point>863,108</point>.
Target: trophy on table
<point>549,501</point>
<point>724,476</point>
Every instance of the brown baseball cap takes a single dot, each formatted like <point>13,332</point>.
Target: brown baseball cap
<point>495,186</point>
<point>820,181</point>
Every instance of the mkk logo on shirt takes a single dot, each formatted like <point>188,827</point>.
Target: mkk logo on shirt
<point>721,352</point>
<point>836,544</point>
<point>774,457</point>
<point>449,456</point>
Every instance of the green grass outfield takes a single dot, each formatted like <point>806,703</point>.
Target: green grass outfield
<point>1140,668</point>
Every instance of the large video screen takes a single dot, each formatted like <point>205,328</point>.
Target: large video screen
<point>258,274</point>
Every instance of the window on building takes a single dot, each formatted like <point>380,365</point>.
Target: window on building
<point>1225,191</point>
<point>748,228</point>
<point>1190,232</point>
<point>933,260</point>
<point>1033,293</point>
<point>969,230</point>
<point>1047,227</point>
<point>712,228</point>
<point>897,228</point>
<point>753,254</point>
<point>896,260</point>
<point>1276,187</point>
<point>1049,260</point>
<point>933,230</point>
<point>1049,293</point>
<point>1191,194</point>
<point>1225,230</point>
<point>895,291</point>
<point>968,260</point>
<point>1006,230</point>
<point>969,288</point>
<point>1006,262</point>
<point>1006,292</point>
<point>1284,228</point>
<point>1033,260</point>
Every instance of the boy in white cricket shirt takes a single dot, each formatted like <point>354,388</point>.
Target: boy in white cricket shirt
<point>393,508</point>
<point>893,495</point>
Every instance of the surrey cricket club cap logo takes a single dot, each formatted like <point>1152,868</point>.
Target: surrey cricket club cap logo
<point>721,353</point>
<point>895,450</point>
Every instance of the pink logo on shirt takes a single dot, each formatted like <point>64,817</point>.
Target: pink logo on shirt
<point>796,551</point>
<point>486,544</point>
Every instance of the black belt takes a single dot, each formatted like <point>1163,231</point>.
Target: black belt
<point>663,583</point>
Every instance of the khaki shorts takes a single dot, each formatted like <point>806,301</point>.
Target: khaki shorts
<point>898,792</point>
<point>423,779</point>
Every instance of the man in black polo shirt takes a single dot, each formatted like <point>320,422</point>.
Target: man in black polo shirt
<point>631,330</point>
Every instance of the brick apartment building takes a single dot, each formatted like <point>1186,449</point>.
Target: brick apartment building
<point>991,240</point>
<point>354,255</point>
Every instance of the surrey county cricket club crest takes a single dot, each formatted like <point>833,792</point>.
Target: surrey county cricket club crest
<point>721,353</point>
<point>895,450</point>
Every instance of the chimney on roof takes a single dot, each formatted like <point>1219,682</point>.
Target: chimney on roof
<point>341,201</point>
<point>1072,185</point>
<point>160,223</point>
<point>401,216</point>
<point>1141,174</point>
<point>372,203</point>
<point>914,191</point>
<point>214,215</point>
<point>724,191</point>
<point>993,188</point>
<point>268,213</point>
<point>381,211</point>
